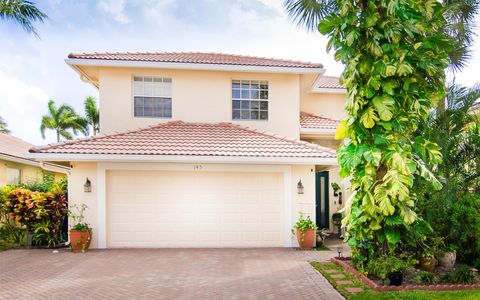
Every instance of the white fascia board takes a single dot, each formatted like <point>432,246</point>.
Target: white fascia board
<point>30,162</point>
<point>184,159</point>
<point>19,160</point>
<point>324,131</point>
<point>328,91</point>
<point>190,66</point>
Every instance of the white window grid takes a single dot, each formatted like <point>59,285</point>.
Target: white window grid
<point>152,96</point>
<point>250,100</point>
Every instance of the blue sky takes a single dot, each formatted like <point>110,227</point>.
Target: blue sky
<point>32,71</point>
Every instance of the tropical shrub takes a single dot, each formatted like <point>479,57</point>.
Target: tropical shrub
<point>40,213</point>
<point>425,277</point>
<point>44,185</point>
<point>457,221</point>
<point>11,233</point>
<point>382,265</point>
<point>461,274</point>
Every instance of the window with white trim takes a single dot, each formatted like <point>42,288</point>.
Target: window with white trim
<point>13,175</point>
<point>249,100</point>
<point>152,97</point>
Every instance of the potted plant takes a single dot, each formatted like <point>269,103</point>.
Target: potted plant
<point>391,266</point>
<point>305,232</point>
<point>80,232</point>
<point>428,257</point>
<point>448,257</point>
<point>337,221</point>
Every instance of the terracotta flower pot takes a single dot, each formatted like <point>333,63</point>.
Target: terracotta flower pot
<point>80,240</point>
<point>306,239</point>
<point>448,260</point>
<point>428,264</point>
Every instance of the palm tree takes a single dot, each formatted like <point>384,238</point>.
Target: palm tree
<point>459,15</point>
<point>456,131</point>
<point>3,126</point>
<point>23,12</point>
<point>92,114</point>
<point>63,119</point>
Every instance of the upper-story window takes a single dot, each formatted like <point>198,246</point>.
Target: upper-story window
<point>152,97</point>
<point>249,100</point>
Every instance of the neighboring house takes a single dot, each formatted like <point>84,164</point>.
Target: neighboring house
<point>204,150</point>
<point>16,167</point>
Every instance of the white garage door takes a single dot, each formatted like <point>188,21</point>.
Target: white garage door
<point>194,209</point>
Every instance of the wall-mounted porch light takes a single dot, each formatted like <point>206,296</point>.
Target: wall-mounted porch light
<point>299,187</point>
<point>87,187</point>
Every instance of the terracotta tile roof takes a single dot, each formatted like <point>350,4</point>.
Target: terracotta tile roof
<point>191,139</point>
<point>13,146</point>
<point>329,82</point>
<point>198,58</point>
<point>311,121</point>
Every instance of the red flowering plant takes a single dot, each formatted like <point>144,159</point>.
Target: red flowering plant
<point>41,213</point>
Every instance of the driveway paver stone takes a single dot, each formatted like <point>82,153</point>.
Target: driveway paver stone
<point>272,273</point>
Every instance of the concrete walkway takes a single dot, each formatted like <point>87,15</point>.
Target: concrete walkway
<point>275,273</point>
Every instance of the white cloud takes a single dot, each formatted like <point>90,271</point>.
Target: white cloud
<point>20,107</point>
<point>115,8</point>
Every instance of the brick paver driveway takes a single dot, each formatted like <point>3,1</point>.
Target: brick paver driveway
<point>163,274</point>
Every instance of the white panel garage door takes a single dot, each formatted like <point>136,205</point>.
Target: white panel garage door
<point>194,209</point>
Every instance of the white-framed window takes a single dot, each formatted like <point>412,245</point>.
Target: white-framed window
<point>13,175</point>
<point>152,97</point>
<point>249,100</point>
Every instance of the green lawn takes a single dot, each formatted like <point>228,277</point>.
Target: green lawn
<point>368,294</point>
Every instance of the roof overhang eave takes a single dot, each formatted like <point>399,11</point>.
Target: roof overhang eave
<point>320,131</point>
<point>328,91</point>
<point>191,66</point>
<point>52,157</point>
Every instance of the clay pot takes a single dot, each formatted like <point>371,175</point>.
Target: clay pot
<point>307,239</point>
<point>80,240</point>
<point>448,260</point>
<point>428,264</point>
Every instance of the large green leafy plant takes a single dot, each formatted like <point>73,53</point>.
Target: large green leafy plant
<point>395,53</point>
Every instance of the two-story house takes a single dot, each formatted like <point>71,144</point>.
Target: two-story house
<point>204,150</point>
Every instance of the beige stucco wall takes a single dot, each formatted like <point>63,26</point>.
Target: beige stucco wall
<point>77,195</point>
<point>28,173</point>
<point>198,96</point>
<point>322,104</point>
<point>303,203</point>
<point>299,202</point>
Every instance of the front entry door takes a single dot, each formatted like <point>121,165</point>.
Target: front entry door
<point>321,199</point>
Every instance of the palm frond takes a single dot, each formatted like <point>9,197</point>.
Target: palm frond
<point>23,12</point>
<point>92,114</point>
<point>3,126</point>
<point>309,13</point>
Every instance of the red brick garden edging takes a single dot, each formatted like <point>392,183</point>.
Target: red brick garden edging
<point>340,261</point>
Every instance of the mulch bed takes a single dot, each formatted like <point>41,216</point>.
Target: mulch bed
<point>344,263</point>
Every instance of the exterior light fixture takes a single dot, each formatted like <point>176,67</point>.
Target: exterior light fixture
<point>87,187</point>
<point>340,251</point>
<point>299,187</point>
